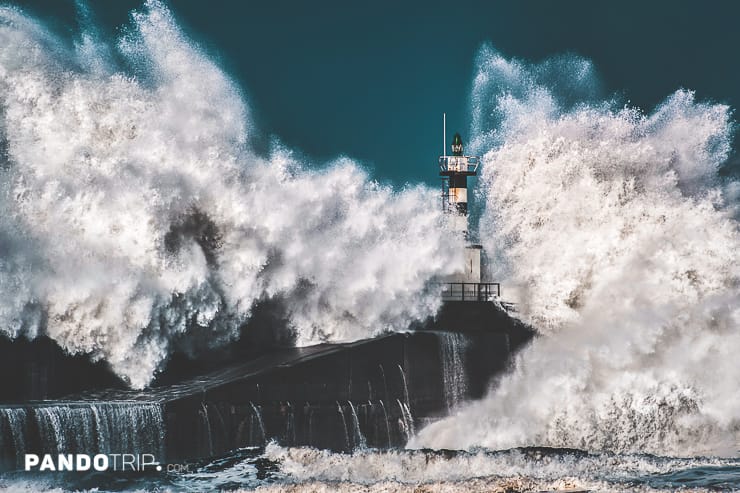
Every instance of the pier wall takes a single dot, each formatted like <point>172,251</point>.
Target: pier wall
<point>374,393</point>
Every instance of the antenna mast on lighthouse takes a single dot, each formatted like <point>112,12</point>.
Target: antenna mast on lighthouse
<point>444,133</point>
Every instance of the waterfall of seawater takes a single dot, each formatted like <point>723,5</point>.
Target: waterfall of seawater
<point>406,422</point>
<point>207,426</point>
<point>387,424</point>
<point>344,427</point>
<point>260,422</point>
<point>452,348</point>
<point>290,433</point>
<point>357,436</point>
<point>405,387</point>
<point>88,428</point>
<point>15,421</point>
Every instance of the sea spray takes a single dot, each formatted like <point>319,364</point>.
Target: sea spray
<point>137,220</point>
<point>617,232</point>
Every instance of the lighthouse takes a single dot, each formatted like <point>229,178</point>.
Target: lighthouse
<point>454,170</point>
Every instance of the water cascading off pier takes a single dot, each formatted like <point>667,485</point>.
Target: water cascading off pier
<point>80,428</point>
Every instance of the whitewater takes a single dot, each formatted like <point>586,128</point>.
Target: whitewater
<point>138,220</point>
<point>623,242</point>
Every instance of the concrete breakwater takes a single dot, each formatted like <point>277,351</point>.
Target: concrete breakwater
<point>372,393</point>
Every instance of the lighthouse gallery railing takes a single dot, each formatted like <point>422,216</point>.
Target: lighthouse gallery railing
<point>470,291</point>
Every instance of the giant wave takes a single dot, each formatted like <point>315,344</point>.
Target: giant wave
<point>138,220</point>
<point>622,240</point>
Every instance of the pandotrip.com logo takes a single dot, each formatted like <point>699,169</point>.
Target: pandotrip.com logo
<point>99,462</point>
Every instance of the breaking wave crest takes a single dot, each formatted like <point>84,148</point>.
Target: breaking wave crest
<point>137,219</point>
<point>619,235</point>
<point>509,470</point>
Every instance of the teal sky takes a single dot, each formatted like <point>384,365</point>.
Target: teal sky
<point>370,80</point>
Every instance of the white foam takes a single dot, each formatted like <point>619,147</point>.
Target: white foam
<point>531,470</point>
<point>617,231</point>
<point>102,171</point>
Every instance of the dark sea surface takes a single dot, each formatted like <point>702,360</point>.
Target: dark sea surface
<point>526,469</point>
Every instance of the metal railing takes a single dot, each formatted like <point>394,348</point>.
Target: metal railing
<point>470,291</point>
<point>464,164</point>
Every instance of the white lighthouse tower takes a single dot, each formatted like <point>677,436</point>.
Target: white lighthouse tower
<point>464,285</point>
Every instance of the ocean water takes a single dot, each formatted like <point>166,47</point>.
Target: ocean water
<point>275,468</point>
<point>137,221</point>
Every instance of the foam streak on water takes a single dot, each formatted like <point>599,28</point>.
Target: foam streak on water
<point>620,236</point>
<point>518,470</point>
<point>136,218</point>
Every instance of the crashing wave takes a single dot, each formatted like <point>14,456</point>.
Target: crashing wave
<point>137,219</point>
